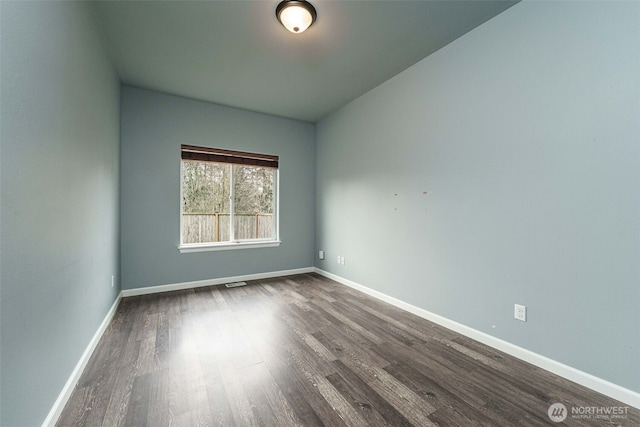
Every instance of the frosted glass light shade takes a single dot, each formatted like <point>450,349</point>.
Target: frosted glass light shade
<point>296,16</point>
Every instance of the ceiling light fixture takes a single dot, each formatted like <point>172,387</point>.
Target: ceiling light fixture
<point>296,15</point>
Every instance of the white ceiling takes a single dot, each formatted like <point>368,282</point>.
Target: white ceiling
<point>236,53</point>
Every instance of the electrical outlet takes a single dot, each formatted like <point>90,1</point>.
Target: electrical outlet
<point>339,260</point>
<point>113,280</point>
<point>520,312</point>
<point>321,254</point>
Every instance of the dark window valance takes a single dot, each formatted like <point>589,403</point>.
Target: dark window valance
<point>205,154</point>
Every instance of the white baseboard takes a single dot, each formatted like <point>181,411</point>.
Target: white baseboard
<point>213,282</point>
<point>64,395</point>
<point>607,388</point>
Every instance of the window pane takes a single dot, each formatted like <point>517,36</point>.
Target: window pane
<point>254,197</point>
<point>205,202</point>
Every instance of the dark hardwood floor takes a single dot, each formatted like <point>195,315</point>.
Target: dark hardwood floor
<point>306,351</point>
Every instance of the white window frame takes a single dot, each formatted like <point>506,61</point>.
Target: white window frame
<point>234,243</point>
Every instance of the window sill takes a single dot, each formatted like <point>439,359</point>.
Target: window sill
<point>206,247</point>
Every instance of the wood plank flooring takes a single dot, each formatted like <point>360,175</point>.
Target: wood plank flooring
<point>306,351</point>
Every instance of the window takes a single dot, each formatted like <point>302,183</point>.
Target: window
<point>229,199</point>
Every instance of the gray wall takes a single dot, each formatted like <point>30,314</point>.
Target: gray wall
<point>525,134</point>
<point>153,127</point>
<point>59,211</point>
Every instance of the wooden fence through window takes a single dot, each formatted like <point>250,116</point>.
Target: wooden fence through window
<point>206,228</point>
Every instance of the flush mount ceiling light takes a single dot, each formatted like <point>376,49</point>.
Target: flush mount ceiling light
<point>296,15</point>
